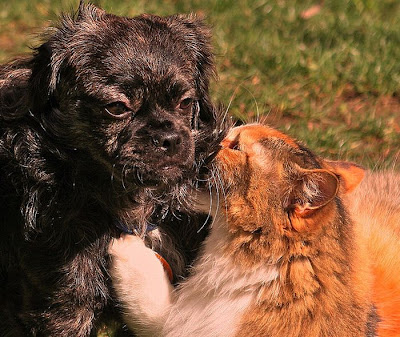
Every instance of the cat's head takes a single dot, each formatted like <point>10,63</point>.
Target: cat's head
<point>273,187</point>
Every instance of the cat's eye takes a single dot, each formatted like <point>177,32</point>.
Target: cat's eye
<point>257,231</point>
<point>117,110</point>
<point>234,145</point>
<point>186,103</point>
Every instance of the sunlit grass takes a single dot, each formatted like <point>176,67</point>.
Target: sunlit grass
<point>331,80</point>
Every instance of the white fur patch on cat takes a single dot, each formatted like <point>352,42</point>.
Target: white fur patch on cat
<point>209,303</point>
<point>213,299</point>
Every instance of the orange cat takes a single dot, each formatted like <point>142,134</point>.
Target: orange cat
<point>298,248</point>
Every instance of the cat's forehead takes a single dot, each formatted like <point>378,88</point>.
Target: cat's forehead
<point>256,133</point>
<point>264,141</point>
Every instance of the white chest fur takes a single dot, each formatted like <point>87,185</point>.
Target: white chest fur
<point>212,301</point>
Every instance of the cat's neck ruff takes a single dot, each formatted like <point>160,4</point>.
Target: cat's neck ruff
<point>213,299</point>
<point>222,272</point>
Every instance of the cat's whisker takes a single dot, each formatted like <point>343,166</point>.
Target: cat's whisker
<point>254,100</point>
<point>209,210</point>
<point>232,98</point>
<point>213,183</point>
<point>221,186</point>
<point>229,106</point>
<point>217,192</point>
<point>395,161</point>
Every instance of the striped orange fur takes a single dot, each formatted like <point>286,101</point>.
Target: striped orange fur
<point>335,267</point>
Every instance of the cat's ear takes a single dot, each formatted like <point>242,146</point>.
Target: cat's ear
<point>350,174</point>
<point>316,189</point>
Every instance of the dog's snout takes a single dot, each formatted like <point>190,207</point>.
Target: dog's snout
<point>168,142</point>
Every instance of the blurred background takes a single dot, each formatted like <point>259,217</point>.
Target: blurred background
<point>326,72</point>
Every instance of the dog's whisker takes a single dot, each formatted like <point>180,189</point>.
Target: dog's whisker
<point>123,174</point>
<point>112,173</point>
<point>139,177</point>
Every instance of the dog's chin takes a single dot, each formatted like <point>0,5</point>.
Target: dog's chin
<point>167,171</point>
<point>163,176</point>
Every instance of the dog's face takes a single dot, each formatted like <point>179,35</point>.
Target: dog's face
<point>129,93</point>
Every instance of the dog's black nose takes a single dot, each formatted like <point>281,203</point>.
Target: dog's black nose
<point>168,142</point>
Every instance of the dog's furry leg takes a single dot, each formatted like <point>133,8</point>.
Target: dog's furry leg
<point>70,295</point>
<point>142,285</point>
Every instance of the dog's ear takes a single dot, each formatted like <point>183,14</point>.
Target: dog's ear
<point>197,37</point>
<point>81,7</point>
<point>89,12</point>
<point>54,56</point>
<point>209,120</point>
<point>39,82</point>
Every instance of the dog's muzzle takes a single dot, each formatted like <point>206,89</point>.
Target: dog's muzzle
<point>167,142</point>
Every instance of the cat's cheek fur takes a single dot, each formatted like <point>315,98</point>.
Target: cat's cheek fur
<point>142,285</point>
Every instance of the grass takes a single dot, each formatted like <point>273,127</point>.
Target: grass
<point>332,79</point>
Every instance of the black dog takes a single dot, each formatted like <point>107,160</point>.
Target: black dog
<point>105,127</point>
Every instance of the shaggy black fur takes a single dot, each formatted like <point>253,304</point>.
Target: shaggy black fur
<point>110,120</point>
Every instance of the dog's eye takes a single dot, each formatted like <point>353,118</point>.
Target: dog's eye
<point>186,103</point>
<point>117,110</point>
